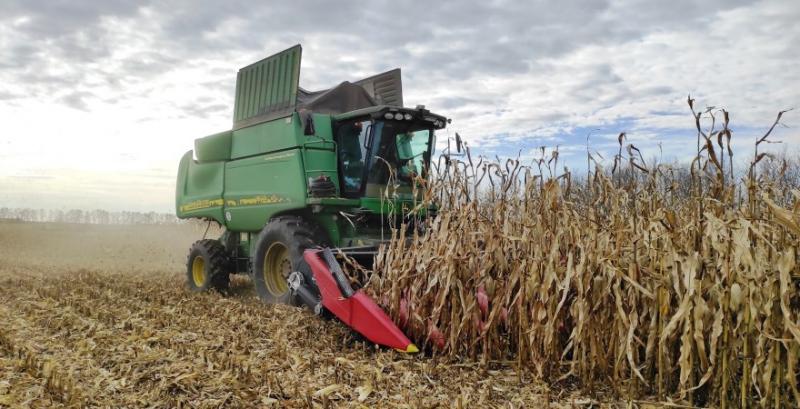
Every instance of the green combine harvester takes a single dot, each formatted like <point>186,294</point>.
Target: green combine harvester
<point>301,170</point>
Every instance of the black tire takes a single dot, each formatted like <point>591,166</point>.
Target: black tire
<point>285,238</point>
<point>208,266</point>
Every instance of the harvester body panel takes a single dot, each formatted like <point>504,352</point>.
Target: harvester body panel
<point>267,89</point>
<point>199,188</point>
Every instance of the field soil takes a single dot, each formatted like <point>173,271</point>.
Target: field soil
<point>99,316</point>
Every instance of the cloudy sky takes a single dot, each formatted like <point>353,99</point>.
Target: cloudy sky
<point>99,99</point>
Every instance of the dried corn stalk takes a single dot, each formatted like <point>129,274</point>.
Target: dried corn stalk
<point>690,296</point>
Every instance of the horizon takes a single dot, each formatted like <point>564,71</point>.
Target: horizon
<point>101,100</point>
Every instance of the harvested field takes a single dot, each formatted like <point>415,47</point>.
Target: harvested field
<point>98,316</point>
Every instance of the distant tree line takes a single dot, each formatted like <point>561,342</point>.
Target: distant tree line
<point>97,216</point>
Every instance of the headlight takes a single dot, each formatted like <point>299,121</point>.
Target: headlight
<point>398,116</point>
<point>388,115</point>
<point>407,117</point>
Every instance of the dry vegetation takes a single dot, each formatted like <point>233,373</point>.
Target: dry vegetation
<point>682,289</point>
<point>98,316</point>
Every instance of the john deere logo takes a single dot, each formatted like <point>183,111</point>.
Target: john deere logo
<point>201,204</point>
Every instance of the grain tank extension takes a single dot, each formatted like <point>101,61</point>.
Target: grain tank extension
<point>299,172</point>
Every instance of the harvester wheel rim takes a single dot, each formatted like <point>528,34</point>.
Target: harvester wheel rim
<point>277,267</point>
<point>199,271</point>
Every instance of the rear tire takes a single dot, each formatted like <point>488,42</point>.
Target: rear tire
<point>207,266</point>
<point>278,253</point>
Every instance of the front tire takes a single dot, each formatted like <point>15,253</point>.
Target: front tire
<point>207,266</point>
<point>279,252</point>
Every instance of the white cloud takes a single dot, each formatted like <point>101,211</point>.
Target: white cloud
<point>95,95</point>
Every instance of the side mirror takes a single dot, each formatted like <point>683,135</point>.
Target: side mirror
<point>308,128</point>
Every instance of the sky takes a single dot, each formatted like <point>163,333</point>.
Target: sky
<point>100,99</point>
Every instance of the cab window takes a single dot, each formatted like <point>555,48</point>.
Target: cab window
<point>351,138</point>
<point>412,146</point>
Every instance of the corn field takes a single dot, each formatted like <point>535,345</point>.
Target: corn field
<point>634,281</point>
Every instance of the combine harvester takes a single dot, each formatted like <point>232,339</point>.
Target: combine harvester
<point>300,173</point>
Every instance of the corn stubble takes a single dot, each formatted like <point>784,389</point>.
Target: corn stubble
<point>637,280</point>
<point>101,334</point>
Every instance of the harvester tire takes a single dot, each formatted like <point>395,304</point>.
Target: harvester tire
<point>208,266</point>
<point>279,252</point>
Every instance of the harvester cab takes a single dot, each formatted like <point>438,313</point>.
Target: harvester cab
<point>301,171</point>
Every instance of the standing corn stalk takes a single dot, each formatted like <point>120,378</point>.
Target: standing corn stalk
<point>690,297</point>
